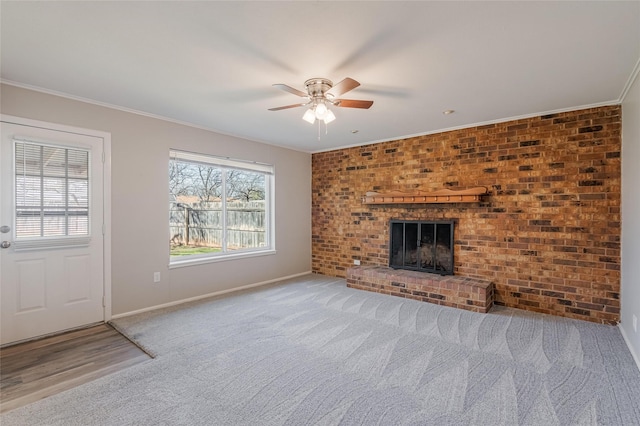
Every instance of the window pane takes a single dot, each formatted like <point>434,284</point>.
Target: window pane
<point>28,224</point>
<point>28,159</point>
<point>54,161</point>
<point>78,193</point>
<point>78,222</point>
<point>245,210</point>
<point>54,223</point>
<point>28,191</point>
<point>78,164</point>
<point>195,208</point>
<point>54,192</point>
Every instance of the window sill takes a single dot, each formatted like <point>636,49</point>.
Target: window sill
<point>173,264</point>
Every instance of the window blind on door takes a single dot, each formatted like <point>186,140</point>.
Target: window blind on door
<point>51,192</point>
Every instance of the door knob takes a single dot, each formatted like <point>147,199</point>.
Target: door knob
<point>4,229</point>
<point>5,244</point>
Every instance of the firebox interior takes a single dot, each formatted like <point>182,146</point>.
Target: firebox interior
<point>425,246</point>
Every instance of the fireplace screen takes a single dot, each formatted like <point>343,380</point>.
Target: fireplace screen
<point>421,246</point>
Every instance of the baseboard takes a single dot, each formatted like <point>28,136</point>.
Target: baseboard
<point>635,356</point>
<point>204,296</point>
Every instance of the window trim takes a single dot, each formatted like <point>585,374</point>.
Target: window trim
<point>228,163</point>
<point>213,258</point>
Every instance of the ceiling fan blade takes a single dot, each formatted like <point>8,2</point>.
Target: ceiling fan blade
<point>290,90</point>
<point>353,103</point>
<point>288,106</point>
<point>343,87</point>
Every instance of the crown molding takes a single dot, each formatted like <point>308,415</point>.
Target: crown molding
<point>478,124</point>
<point>134,111</point>
<point>632,78</point>
<point>634,74</point>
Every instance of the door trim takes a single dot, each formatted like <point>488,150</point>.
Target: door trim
<point>106,193</point>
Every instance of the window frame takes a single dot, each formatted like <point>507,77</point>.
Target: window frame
<point>227,163</point>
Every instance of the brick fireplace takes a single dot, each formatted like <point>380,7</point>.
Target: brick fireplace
<point>547,234</point>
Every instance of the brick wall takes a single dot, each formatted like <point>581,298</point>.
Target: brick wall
<point>547,235</point>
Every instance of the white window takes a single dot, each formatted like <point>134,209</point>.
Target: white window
<point>51,195</point>
<point>218,207</point>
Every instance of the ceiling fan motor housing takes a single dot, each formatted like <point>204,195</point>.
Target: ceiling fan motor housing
<point>317,87</point>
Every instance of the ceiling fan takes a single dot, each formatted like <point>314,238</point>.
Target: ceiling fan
<point>320,94</point>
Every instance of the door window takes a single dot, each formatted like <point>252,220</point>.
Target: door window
<point>51,194</point>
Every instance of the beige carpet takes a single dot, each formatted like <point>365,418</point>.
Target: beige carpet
<point>311,351</point>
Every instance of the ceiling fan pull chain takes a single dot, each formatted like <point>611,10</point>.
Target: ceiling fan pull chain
<point>319,130</point>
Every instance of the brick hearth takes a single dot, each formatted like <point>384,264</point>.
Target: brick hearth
<point>459,292</point>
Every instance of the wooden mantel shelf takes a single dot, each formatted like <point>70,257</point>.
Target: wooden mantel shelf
<point>471,195</point>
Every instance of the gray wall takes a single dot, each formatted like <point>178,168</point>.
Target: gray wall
<point>630,287</point>
<point>139,203</point>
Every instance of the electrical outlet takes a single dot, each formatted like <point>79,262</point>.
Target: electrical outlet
<point>635,323</point>
<point>156,277</point>
<point>356,262</point>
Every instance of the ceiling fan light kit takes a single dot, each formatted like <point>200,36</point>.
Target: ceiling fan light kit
<point>309,116</point>
<point>321,93</point>
<point>321,110</point>
<point>329,117</point>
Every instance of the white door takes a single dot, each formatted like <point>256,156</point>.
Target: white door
<point>51,218</point>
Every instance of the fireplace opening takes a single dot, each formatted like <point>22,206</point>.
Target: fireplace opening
<point>421,246</point>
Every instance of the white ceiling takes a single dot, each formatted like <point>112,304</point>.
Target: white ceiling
<point>212,64</point>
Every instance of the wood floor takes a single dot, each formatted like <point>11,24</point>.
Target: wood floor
<point>37,369</point>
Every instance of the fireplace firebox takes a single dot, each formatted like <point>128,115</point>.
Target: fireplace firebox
<point>421,246</point>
